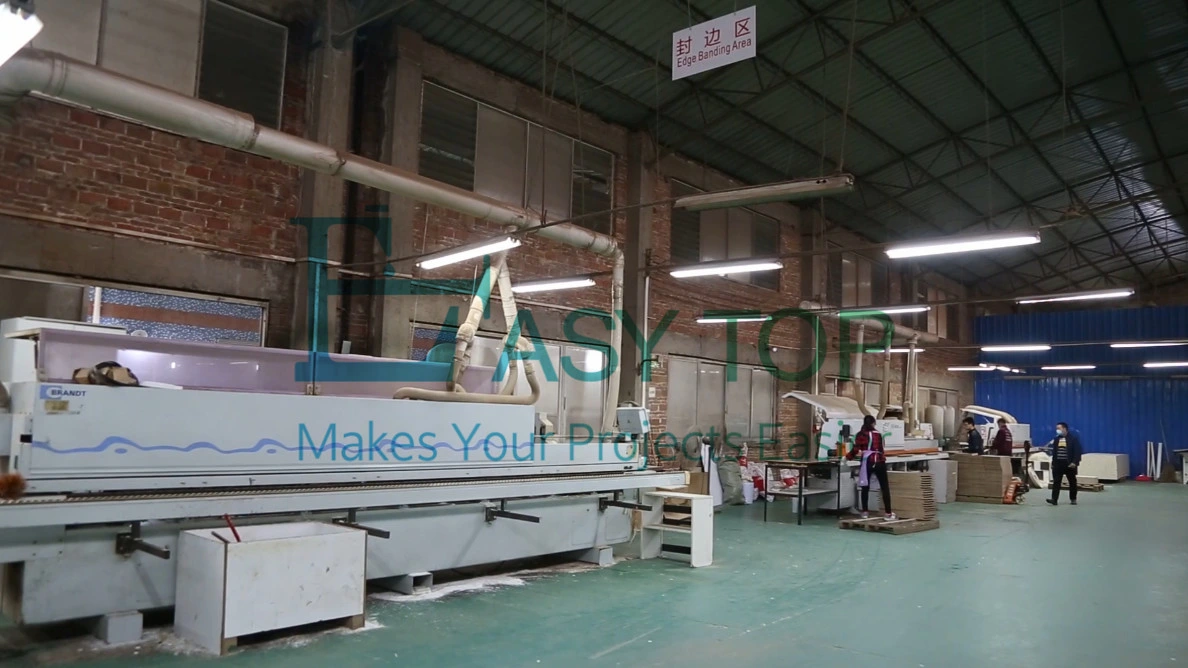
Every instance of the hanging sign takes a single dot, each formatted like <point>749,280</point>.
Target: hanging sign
<point>717,42</point>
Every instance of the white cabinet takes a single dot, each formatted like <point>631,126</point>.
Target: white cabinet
<point>276,576</point>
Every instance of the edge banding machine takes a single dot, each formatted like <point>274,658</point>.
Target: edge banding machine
<point>109,476</point>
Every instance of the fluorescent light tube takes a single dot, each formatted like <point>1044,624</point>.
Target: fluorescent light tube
<point>962,244</point>
<point>715,318</point>
<point>971,368</point>
<point>554,284</point>
<point>1118,293</point>
<point>1164,365</point>
<point>1025,348</point>
<point>1070,367</point>
<point>17,28</point>
<point>1149,344</point>
<point>890,310</point>
<point>462,253</point>
<point>771,192</point>
<point>724,268</point>
<point>879,351</point>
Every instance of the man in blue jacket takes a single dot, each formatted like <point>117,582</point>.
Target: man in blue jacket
<point>1066,456</point>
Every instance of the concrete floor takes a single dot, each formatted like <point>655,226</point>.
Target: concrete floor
<point>1104,583</point>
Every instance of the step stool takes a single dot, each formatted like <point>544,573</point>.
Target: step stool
<point>700,527</point>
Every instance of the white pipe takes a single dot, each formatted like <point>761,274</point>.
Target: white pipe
<point>914,372</point>
<point>885,388</point>
<point>861,354</point>
<point>899,331</point>
<point>32,70</point>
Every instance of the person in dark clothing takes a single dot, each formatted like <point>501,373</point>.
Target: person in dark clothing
<point>1003,444</point>
<point>1066,456</point>
<point>975,444</point>
<point>869,445</point>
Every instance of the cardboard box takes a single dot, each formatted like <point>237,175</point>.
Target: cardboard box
<point>944,480</point>
<point>984,476</point>
<point>912,494</point>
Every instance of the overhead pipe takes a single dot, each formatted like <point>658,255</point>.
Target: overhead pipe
<point>33,70</point>
<point>898,331</point>
<point>885,387</point>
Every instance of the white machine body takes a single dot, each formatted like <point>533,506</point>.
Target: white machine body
<point>114,475</point>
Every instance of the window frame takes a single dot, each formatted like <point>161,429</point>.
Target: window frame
<point>751,279</point>
<point>86,316</point>
<point>754,429</point>
<point>526,171</point>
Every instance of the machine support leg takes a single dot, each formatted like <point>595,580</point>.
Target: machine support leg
<point>127,543</point>
<point>493,513</point>
<point>604,503</point>
<point>349,521</point>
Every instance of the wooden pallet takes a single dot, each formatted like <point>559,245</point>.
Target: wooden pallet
<point>896,527</point>
<point>1086,486</point>
<point>353,622</point>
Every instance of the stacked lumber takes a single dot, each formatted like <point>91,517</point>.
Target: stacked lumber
<point>912,494</point>
<point>982,478</point>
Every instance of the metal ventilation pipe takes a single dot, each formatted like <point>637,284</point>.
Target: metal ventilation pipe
<point>32,70</point>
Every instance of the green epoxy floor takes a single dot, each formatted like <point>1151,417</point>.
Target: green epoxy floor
<point>1104,583</point>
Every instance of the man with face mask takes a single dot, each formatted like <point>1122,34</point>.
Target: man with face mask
<point>1066,456</point>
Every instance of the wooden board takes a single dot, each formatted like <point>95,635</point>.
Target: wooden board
<point>894,527</point>
<point>994,501</point>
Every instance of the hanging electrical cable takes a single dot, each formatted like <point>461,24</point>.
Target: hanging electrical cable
<point>841,160</point>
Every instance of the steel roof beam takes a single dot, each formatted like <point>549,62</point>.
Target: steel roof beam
<point>956,58</point>
<point>927,113</point>
<point>791,78</point>
<point>1134,89</point>
<point>810,91</point>
<point>589,80</point>
<point>1055,98</point>
<point>1052,74</point>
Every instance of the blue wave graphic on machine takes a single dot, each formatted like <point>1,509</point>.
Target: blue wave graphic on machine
<point>120,445</point>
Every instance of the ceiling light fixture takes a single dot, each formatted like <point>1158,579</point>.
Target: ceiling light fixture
<point>1118,293</point>
<point>971,368</point>
<point>1148,344</point>
<point>724,268</point>
<point>962,244</point>
<point>1070,367</point>
<point>1164,365</point>
<point>890,310</point>
<point>18,27</point>
<point>1023,348</point>
<point>462,253</point>
<point>879,351</point>
<point>554,284</point>
<point>773,192</point>
<point>720,317</point>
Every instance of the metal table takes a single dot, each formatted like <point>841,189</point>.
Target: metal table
<point>803,467</point>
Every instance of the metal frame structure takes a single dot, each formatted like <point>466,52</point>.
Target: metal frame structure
<point>1096,199</point>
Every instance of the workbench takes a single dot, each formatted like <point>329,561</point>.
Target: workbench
<point>802,467</point>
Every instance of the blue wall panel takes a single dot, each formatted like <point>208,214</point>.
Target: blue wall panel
<point>1099,327</point>
<point>1111,415</point>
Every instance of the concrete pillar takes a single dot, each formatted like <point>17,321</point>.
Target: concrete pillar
<point>391,329</point>
<point>641,179</point>
<point>323,196</point>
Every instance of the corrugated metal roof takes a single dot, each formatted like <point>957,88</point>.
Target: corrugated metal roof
<point>918,116</point>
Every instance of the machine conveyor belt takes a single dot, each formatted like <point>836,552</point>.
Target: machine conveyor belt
<point>305,489</point>
<point>58,510</point>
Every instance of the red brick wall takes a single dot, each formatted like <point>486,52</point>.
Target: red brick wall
<point>692,296</point>
<point>70,164</point>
